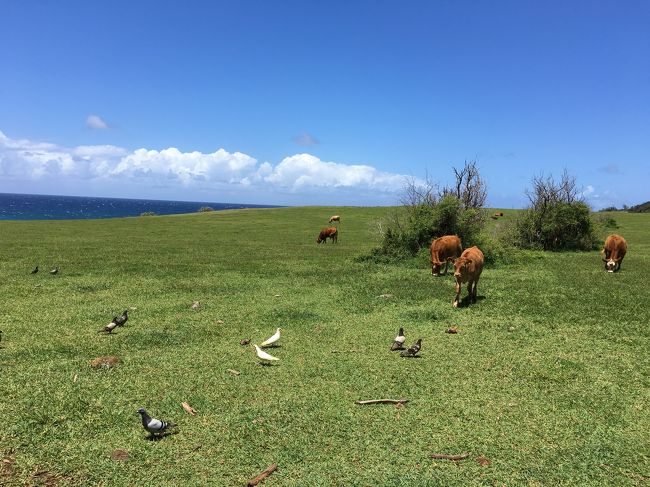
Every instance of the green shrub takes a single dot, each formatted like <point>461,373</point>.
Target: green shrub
<point>557,226</point>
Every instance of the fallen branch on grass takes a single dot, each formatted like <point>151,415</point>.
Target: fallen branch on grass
<point>263,475</point>
<point>384,401</point>
<point>455,458</point>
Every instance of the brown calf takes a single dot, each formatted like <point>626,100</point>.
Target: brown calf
<point>443,250</point>
<point>330,232</point>
<point>468,268</point>
<point>615,249</point>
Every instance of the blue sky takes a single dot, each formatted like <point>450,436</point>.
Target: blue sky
<point>322,102</point>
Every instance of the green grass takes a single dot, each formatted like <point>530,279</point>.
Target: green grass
<point>547,377</point>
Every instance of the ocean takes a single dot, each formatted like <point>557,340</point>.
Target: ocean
<point>48,207</point>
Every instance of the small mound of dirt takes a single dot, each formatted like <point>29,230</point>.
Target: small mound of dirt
<point>120,455</point>
<point>104,362</point>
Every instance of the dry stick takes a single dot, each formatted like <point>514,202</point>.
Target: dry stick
<point>442,456</point>
<point>352,350</point>
<point>384,401</point>
<point>263,475</point>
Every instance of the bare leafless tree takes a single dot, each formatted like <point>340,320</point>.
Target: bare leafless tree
<point>547,192</point>
<point>420,192</point>
<point>469,187</point>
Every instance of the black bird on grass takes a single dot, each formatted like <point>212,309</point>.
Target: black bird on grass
<point>398,344</point>
<point>35,270</point>
<point>55,270</point>
<point>120,320</point>
<point>413,349</point>
<point>0,335</point>
<point>153,425</point>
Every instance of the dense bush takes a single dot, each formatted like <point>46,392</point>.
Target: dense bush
<point>557,218</point>
<point>561,226</point>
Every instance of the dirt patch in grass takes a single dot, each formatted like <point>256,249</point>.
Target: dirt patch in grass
<point>104,362</point>
<point>120,455</point>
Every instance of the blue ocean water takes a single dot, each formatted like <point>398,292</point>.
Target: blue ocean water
<point>47,207</point>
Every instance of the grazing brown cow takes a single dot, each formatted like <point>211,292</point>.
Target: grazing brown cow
<point>330,232</point>
<point>335,218</point>
<point>443,250</point>
<point>468,268</point>
<point>614,250</point>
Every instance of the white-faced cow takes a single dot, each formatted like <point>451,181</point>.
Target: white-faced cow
<point>615,249</point>
<point>468,268</point>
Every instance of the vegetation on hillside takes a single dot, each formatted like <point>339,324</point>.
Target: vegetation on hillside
<point>545,382</point>
<point>641,208</point>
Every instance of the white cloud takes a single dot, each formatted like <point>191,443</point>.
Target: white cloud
<point>187,167</point>
<point>95,122</point>
<point>299,174</point>
<point>304,171</point>
<point>588,191</point>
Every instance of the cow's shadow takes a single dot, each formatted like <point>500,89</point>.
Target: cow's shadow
<point>466,301</point>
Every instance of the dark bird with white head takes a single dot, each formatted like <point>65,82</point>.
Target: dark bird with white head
<point>153,425</point>
<point>398,344</point>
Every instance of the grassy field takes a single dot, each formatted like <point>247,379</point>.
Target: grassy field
<point>547,379</point>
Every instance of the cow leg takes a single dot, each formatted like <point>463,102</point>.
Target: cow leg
<point>446,265</point>
<point>469,292</point>
<point>457,299</point>
<point>474,291</point>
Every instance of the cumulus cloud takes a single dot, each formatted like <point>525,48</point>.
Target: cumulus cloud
<point>299,174</point>
<point>95,122</point>
<point>304,171</point>
<point>305,140</point>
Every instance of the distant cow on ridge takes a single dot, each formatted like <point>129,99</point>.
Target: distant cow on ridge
<point>330,232</point>
<point>335,218</point>
<point>443,250</point>
<point>615,249</point>
<point>468,268</point>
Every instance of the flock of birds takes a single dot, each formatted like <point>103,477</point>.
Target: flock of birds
<point>156,427</point>
<point>398,344</point>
